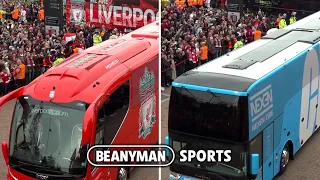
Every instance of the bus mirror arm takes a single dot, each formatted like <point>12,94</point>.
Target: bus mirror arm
<point>12,95</point>
<point>5,152</point>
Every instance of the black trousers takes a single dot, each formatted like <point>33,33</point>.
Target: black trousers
<point>20,82</point>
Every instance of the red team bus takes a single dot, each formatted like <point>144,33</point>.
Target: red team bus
<point>107,94</point>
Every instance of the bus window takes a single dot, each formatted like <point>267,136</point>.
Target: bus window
<point>256,147</point>
<point>100,127</point>
<point>116,108</point>
<point>99,139</point>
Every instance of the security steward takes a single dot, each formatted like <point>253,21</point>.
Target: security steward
<point>58,60</point>
<point>2,13</point>
<point>114,34</point>
<point>96,37</point>
<point>293,18</point>
<point>283,22</point>
<point>238,44</point>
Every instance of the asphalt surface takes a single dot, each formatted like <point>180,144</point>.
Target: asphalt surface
<point>139,173</point>
<point>305,166</point>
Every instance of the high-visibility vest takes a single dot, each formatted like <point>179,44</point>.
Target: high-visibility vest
<point>57,61</point>
<point>113,37</point>
<point>278,21</point>
<point>204,53</point>
<point>200,2</point>
<point>257,35</point>
<point>15,14</point>
<point>2,12</point>
<point>41,14</point>
<point>165,3</point>
<point>195,2</point>
<point>21,74</point>
<point>190,3</point>
<point>293,20</point>
<point>282,23</point>
<point>75,50</point>
<point>96,39</point>
<point>238,45</point>
<point>180,2</point>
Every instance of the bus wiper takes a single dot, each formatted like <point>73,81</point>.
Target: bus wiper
<point>65,174</point>
<point>230,167</point>
<point>189,92</point>
<point>14,166</point>
<point>23,164</point>
<point>60,173</point>
<point>214,95</point>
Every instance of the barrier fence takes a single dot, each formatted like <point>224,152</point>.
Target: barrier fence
<point>186,60</point>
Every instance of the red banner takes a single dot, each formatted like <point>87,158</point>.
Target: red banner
<point>112,14</point>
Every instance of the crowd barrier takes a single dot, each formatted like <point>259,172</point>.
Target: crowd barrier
<point>184,61</point>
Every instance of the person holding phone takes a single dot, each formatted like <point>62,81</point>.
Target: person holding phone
<point>21,73</point>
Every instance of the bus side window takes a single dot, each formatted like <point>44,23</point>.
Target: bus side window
<point>256,147</point>
<point>116,109</point>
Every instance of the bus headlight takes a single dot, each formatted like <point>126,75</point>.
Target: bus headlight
<point>174,176</point>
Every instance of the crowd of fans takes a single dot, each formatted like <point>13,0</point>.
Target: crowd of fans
<point>27,50</point>
<point>191,36</point>
<point>194,35</point>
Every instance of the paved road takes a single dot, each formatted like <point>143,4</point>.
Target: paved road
<point>305,166</point>
<point>5,115</point>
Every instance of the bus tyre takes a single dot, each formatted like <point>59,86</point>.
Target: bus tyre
<point>284,159</point>
<point>122,173</point>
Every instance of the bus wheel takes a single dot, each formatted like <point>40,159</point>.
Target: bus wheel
<point>284,159</point>
<point>122,174</point>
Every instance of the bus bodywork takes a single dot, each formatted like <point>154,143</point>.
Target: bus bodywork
<point>107,94</point>
<point>261,99</point>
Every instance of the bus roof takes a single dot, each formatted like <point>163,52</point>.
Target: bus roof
<point>256,59</point>
<point>85,75</point>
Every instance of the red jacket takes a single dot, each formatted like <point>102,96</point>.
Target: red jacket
<point>249,34</point>
<point>47,61</point>
<point>194,57</point>
<point>5,77</point>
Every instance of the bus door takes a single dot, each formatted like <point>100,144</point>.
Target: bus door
<point>110,112</point>
<point>268,149</point>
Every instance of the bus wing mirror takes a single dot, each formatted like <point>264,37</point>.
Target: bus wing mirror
<point>254,164</point>
<point>167,142</point>
<point>12,95</point>
<point>5,152</point>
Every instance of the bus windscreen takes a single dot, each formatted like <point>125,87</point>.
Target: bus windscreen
<point>46,137</point>
<point>207,114</point>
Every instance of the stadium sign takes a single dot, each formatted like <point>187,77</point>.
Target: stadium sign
<point>111,14</point>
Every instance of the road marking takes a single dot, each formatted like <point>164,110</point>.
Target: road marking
<point>164,98</point>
